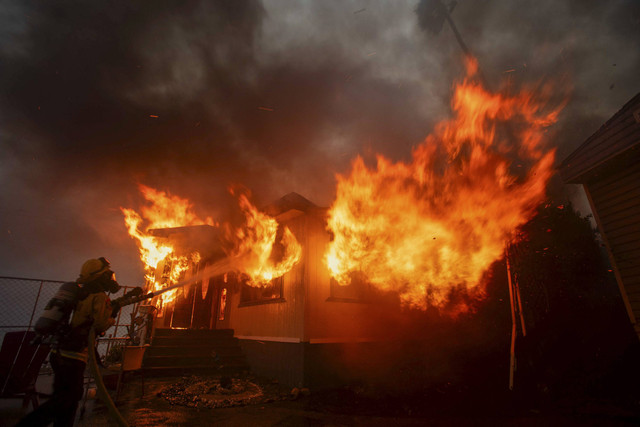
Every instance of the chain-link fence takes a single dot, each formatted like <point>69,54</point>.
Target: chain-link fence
<point>22,302</point>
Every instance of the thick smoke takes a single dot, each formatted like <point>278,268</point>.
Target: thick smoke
<point>194,96</point>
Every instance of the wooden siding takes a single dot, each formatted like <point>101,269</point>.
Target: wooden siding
<point>326,320</point>
<point>617,135</point>
<point>333,321</point>
<point>279,320</point>
<point>615,200</point>
<point>306,315</point>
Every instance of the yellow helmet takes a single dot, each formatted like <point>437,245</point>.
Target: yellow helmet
<point>92,269</point>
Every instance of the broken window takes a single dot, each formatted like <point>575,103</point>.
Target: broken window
<point>273,291</point>
<point>358,289</point>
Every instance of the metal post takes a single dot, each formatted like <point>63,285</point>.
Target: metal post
<point>35,305</point>
<point>173,310</point>
<point>462,44</point>
<point>512,361</point>
<point>193,305</point>
<point>517,289</point>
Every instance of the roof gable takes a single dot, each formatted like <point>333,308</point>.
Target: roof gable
<point>619,134</point>
<point>291,201</point>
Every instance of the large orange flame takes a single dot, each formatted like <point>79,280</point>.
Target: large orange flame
<point>164,211</point>
<point>435,224</point>
<point>256,244</point>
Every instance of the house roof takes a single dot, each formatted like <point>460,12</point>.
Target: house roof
<point>619,134</point>
<point>208,240</point>
<point>205,239</point>
<point>291,201</point>
<point>186,229</point>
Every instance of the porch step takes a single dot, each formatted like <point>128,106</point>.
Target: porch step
<point>208,333</point>
<point>189,351</point>
<point>178,341</point>
<point>187,361</point>
<point>195,351</point>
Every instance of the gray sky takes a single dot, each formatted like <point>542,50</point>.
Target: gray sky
<point>277,96</point>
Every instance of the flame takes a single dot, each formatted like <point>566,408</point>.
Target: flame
<point>164,211</point>
<point>256,249</point>
<point>433,225</point>
<point>258,253</point>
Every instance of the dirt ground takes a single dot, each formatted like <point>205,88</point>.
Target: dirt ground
<point>349,406</point>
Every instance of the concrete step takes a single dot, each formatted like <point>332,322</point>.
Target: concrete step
<point>193,333</point>
<point>192,351</point>
<point>201,350</point>
<point>188,360</point>
<point>187,341</point>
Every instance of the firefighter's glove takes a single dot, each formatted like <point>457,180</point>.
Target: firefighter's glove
<point>115,308</point>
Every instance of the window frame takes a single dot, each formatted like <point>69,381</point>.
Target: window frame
<point>357,291</point>
<point>277,283</point>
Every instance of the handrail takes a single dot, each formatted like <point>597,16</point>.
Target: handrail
<point>33,280</point>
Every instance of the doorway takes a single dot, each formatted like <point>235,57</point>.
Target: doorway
<point>192,307</point>
<point>222,293</point>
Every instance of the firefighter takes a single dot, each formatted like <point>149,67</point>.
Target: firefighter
<point>69,359</point>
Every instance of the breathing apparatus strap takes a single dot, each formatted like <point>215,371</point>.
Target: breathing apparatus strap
<point>102,390</point>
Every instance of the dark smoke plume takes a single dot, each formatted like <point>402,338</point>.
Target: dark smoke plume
<point>194,96</point>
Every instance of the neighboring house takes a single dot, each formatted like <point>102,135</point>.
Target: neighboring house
<point>303,329</point>
<point>607,164</point>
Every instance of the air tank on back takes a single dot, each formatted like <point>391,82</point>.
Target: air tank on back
<point>58,309</point>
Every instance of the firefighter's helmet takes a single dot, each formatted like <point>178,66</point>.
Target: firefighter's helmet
<point>92,269</point>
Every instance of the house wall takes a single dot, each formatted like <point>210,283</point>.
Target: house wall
<point>271,333</point>
<point>607,164</point>
<point>331,320</point>
<point>615,201</point>
<point>278,320</point>
<point>282,361</point>
<point>308,339</point>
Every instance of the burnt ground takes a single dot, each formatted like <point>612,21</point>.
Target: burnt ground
<point>171,402</point>
<point>243,401</point>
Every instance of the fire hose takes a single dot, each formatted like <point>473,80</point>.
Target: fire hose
<point>102,390</point>
<point>136,295</point>
<point>131,297</point>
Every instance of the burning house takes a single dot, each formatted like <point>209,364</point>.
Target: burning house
<point>283,325</point>
<point>186,307</point>
<point>304,289</point>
